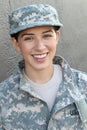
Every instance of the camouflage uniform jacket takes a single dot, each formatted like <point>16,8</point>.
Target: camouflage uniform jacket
<point>22,109</point>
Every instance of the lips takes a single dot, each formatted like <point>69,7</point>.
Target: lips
<point>40,56</point>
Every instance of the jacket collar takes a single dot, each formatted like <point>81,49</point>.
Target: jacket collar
<point>69,83</point>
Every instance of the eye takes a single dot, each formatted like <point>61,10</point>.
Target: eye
<point>28,38</point>
<point>47,36</point>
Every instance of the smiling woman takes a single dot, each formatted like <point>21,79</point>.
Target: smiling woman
<point>45,93</point>
<point>38,47</point>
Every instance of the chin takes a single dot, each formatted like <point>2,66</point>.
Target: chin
<point>41,67</point>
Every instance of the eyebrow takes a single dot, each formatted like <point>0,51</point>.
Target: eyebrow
<point>34,34</point>
<point>47,31</point>
<point>26,34</point>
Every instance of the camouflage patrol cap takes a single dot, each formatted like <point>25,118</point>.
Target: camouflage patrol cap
<point>32,16</point>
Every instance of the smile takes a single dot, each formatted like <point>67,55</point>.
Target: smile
<point>40,55</point>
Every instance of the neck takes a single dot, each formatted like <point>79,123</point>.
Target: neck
<point>41,76</point>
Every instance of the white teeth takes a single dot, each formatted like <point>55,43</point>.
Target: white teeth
<point>40,56</point>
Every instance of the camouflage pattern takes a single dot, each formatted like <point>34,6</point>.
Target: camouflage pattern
<point>22,109</point>
<point>33,15</point>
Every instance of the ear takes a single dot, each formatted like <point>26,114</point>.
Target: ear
<point>15,44</point>
<point>57,35</point>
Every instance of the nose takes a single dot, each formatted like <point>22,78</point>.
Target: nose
<point>40,45</point>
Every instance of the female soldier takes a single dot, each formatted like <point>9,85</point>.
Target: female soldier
<point>45,93</point>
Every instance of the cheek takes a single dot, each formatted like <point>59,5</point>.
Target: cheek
<point>53,45</point>
<point>26,48</point>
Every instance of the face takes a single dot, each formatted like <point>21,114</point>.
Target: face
<point>37,46</point>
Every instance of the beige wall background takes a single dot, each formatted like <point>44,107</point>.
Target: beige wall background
<point>73,42</point>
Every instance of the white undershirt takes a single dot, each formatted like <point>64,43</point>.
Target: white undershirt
<point>48,91</point>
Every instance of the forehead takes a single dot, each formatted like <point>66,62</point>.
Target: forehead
<point>36,30</point>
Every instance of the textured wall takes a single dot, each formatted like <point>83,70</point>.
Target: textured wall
<point>72,44</point>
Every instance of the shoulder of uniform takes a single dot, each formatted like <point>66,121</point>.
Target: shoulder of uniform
<point>9,82</point>
<point>80,74</point>
<point>81,80</point>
